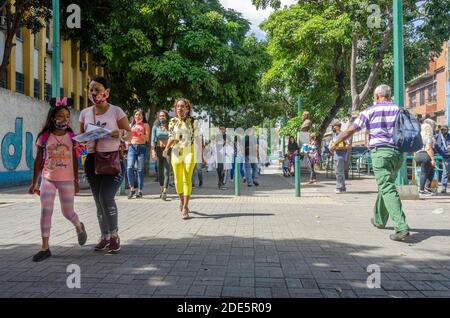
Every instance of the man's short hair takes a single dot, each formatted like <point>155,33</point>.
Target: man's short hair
<point>336,123</point>
<point>383,91</point>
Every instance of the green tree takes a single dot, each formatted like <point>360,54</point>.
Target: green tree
<point>333,53</point>
<point>30,14</point>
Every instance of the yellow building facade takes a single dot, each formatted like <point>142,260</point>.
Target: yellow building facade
<point>29,69</point>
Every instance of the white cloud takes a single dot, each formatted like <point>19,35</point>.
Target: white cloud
<point>249,12</point>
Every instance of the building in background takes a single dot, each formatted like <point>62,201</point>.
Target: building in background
<point>30,66</point>
<point>427,96</point>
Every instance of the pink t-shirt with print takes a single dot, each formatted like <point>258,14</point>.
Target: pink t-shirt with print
<point>58,165</point>
<point>107,120</point>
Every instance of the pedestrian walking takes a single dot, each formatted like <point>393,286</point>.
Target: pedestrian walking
<point>57,165</point>
<point>104,167</point>
<point>293,150</point>
<point>387,160</point>
<point>160,138</point>
<point>137,152</point>
<point>238,153</point>
<point>221,139</point>
<point>339,156</point>
<point>425,158</point>
<point>200,163</point>
<point>313,157</point>
<point>251,158</point>
<point>286,163</point>
<point>183,133</point>
<point>442,148</point>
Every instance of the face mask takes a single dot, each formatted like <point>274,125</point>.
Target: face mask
<point>99,99</point>
<point>164,122</point>
<point>62,124</point>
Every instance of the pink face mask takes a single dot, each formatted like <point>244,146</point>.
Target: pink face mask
<point>100,98</point>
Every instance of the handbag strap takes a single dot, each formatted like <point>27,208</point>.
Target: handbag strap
<point>95,121</point>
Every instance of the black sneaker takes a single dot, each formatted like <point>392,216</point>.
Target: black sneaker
<point>114,245</point>
<point>399,236</point>
<point>131,194</point>
<point>250,185</point>
<point>377,226</point>
<point>139,195</point>
<point>255,183</point>
<point>82,237</point>
<point>42,255</point>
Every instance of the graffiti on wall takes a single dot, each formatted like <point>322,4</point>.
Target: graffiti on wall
<point>13,145</point>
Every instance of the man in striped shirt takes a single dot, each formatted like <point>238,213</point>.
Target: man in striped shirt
<point>386,159</point>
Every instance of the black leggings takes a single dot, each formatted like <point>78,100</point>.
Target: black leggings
<point>163,168</point>
<point>104,189</point>
<point>426,169</point>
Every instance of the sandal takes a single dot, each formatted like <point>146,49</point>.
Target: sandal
<point>185,215</point>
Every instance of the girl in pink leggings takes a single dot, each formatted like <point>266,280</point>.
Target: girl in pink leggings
<point>56,163</point>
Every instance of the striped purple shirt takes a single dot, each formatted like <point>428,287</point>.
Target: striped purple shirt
<point>380,121</point>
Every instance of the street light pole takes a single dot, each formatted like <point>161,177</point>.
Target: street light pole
<point>56,55</point>
<point>399,72</point>
<point>297,164</point>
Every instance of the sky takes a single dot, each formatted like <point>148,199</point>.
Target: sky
<point>250,13</point>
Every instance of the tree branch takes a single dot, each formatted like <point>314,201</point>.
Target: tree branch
<point>357,98</point>
<point>376,67</point>
<point>353,79</point>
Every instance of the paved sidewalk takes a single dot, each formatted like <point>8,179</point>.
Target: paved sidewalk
<point>266,243</point>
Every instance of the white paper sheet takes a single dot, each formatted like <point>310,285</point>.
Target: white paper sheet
<point>92,133</point>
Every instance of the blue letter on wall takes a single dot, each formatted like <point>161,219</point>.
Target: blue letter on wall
<point>29,150</point>
<point>11,162</point>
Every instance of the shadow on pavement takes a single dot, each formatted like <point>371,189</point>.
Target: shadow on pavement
<point>222,266</point>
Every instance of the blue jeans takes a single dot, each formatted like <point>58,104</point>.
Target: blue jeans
<point>241,166</point>
<point>445,172</point>
<point>252,176</point>
<point>136,153</point>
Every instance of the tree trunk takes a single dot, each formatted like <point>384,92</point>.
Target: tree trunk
<point>334,110</point>
<point>11,29</point>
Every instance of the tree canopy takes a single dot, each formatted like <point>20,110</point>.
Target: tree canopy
<point>333,53</point>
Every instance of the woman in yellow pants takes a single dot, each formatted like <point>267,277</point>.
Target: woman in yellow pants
<point>182,137</point>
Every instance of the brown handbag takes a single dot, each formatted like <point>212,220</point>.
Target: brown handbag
<point>107,163</point>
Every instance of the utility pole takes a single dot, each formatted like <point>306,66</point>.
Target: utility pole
<point>56,52</point>
<point>399,73</point>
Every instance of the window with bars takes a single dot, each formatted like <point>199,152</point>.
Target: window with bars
<point>422,96</point>
<point>48,91</point>
<point>81,102</point>
<point>20,85</point>
<point>432,94</point>
<point>412,100</point>
<point>37,88</point>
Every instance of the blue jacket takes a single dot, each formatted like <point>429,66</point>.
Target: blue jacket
<point>439,147</point>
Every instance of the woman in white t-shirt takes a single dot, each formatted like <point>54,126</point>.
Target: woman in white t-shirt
<point>104,187</point>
